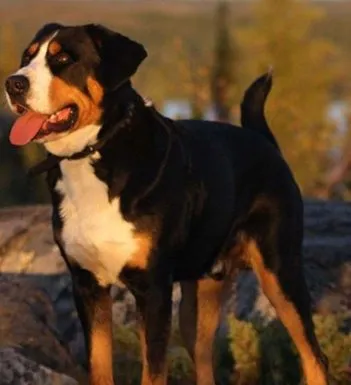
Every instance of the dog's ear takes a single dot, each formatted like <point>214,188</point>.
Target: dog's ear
<point>120,56</point>
<point>47,30</point>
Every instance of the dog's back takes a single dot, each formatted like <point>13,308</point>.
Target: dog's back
<point>233,166</point>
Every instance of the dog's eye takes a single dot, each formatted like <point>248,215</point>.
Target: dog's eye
<point>62,58</point>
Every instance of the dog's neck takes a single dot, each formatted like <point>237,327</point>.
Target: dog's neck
<point>118,114</point>
<point>74,142</point>
<point>125,111</point>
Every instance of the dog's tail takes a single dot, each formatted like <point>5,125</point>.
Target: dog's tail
<point>252,107</point>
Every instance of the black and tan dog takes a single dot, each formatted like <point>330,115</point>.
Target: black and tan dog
<point>146,201</point>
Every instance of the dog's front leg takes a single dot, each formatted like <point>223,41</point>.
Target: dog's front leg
<point>94,307</point>
<point>153,293</point>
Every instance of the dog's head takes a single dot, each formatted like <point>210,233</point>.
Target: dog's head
<point>65,73</point>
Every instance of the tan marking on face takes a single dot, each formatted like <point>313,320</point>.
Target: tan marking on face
<point>101,371</point>
<point>95,90</point>
<point>62,94</point>
<point>288,315</point>
<point>141,257</point>
<point>54,48</point>
<point>33,48</point>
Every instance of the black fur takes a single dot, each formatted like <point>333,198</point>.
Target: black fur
<point>252,107</point>
<point>120,56</point>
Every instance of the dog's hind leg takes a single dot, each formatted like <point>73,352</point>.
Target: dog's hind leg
<point>286,289</point>
<point>198,320</point>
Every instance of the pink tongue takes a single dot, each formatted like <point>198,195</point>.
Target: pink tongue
<point>26,127</point>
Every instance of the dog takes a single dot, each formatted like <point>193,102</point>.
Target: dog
<point>146,201</point>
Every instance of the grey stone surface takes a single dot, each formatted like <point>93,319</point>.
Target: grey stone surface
<point>16,369</point>
<point>31,348</point>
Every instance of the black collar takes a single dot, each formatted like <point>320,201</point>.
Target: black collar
<point>53,160</point>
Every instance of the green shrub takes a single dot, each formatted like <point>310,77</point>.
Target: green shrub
<point>223,361</point>
<point>244,345</point>
<point>336,345</point>
<point>126,357</point>
<point>279,363</point>
<point>181,370</point>
<point>265,355</point>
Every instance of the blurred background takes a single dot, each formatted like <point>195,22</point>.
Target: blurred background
<point>202,56</point>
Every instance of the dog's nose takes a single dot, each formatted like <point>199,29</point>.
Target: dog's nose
<point>17,85</point>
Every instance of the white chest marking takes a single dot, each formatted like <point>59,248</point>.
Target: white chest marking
<point>94,232</point>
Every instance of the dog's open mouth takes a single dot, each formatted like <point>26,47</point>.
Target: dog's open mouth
<point>34,125</point>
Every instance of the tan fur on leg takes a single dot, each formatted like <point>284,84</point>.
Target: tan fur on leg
<point>198,320</point>
<point>288,314</point>
<point>101,369</point>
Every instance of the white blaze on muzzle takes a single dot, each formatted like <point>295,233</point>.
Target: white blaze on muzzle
<point>40,77</point>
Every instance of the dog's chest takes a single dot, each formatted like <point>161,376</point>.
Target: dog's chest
<point>94,232</point>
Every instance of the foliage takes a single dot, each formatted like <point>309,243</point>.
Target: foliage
<point>223,69</point>
<point>304,73</point>
<point>223,360</point>
<point>127,358</point>
<point>127,361</point>
<point>336,345</point>
<point>265,355</point>
<point>279,363</point>
<point>194,75</point>
<point>244,345</point>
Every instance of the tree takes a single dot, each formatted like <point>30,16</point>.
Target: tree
<point>194,75</point>
<point>281,36</point>
<point>222,76</point>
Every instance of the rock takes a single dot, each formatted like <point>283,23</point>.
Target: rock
<point>28,333</point>
<point>16,369</point>
<point>27,250</point>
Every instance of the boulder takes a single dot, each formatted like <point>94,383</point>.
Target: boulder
<point>16,369</point>
<point>31,349</point>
